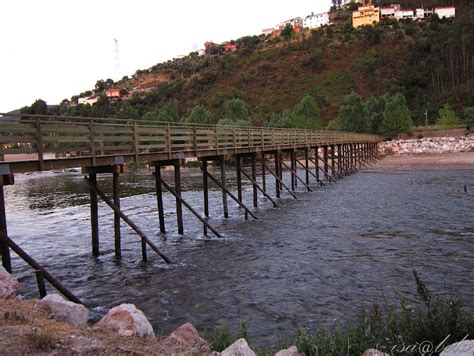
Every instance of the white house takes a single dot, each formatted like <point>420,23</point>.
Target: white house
<point>420,13</point>
<point>447,11</point>
<point>88,100</point>
<point>316,20</point>
<point>404,14</point>
<point>387,12</point>
<point>295,22</point>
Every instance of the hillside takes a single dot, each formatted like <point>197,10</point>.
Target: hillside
<point>431,63</point>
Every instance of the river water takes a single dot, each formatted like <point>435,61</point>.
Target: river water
<point>313,261</point>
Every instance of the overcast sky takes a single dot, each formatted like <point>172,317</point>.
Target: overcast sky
<point>53,49</point>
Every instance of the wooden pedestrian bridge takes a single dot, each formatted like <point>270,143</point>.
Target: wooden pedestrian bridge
<point>30,143</point>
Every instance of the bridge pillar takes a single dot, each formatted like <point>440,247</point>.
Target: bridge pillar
<point>316,162</point>
<point>254,178</point>
<point>326,162</point>
<point>277,173</point>
<point>306,164</point>
<point>205,183</point>
<point>333,161</point>
<point>264,183</point>
<point>292,165</point>
<point>223,182</point>
<point>115,169</point>
<point>6,178</point>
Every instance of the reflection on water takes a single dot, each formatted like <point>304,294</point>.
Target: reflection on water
<point>313,261</point>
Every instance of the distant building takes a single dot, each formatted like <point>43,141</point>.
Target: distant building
<point>295,22</point>
<point>112,93</point>
<point>267,31</point>
<point>208,45</point>
<point>230,47</point>
<point>404,14</point>
<point>365,16</point>
<point>420,14</point>
<point>276,33</point>
<point>446,11</point>
<point>88,100</point>
<point>316,20</point>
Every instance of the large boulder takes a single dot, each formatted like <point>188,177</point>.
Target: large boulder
<point>185,335</point>
<point>240,347</point>
<point>291,351</point>
<point>8,284</point>
<point>461,348</point>
<point>62,310</point>
<point>127,320</point>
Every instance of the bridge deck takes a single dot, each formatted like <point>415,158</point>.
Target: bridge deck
<point>58,142</point>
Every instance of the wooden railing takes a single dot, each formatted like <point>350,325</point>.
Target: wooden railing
<point>38,135</point>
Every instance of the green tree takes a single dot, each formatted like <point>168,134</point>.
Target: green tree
<point>376,108</point>
<point>163,114</point>
<point>128,114</point>
<point>287,32</point>
<point>468,117</point>
<point>39,107</point>
<point>306,114</point>
<point>447,118</point>
<point>353,114</point>
<point>285,120</point>
<point>235,113</point>
<point>396,117</point>
<point>200,115</point>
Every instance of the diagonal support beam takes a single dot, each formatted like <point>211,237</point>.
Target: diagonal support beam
<point>259,188</point>
<point>281,182</point>
<point>130,223</point>
<point>325,172</point>
<point>230,194</point>
<point>28,259</point>
<point>296,176</point>
<point>190,208</point>
<point>310,172</point>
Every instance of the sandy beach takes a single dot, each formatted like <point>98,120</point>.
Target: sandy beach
<point>425,162</point>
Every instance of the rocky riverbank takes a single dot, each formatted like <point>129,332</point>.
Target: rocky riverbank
<point>428,145</point>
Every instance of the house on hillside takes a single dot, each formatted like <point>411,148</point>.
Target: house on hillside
<point>230,47</point>
<point>365,16</point>
<point>445,11</point>
<point>316,20</point>
<point>88,100</point>
<point>268,31</point>
<point>296,22</point>
<point>404,14</point>
<point>112,93</point>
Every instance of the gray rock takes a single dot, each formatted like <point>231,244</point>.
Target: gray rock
<point>185,335</point>
<point>127,320</point>
<point>291,351</point>
<point>374,352</point>
<point>240,348</point>
<point>66,311</point>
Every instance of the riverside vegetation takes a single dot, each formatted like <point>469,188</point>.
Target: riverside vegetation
<point>380,79</point>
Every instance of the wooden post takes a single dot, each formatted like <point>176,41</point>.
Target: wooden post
<point>254,177</point>
<point>326,162</point>
<point>159,199</point>
<point>277,174</point>
<point>316,162</point>
<point>94,215</point>
<point>205,184</point>
<point>306,165</point>
<point>144,238</point>
<point>6,260</point>
<point>92,142</point>
<point>39,144</point>
<point>264,183</point>
<point>292,169</point>
<point>40,282</point>
<point>333,161</point>
<point>177,188</point>
<point>239,177</point>
<point>116,198</point>
<point>224,195</point>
